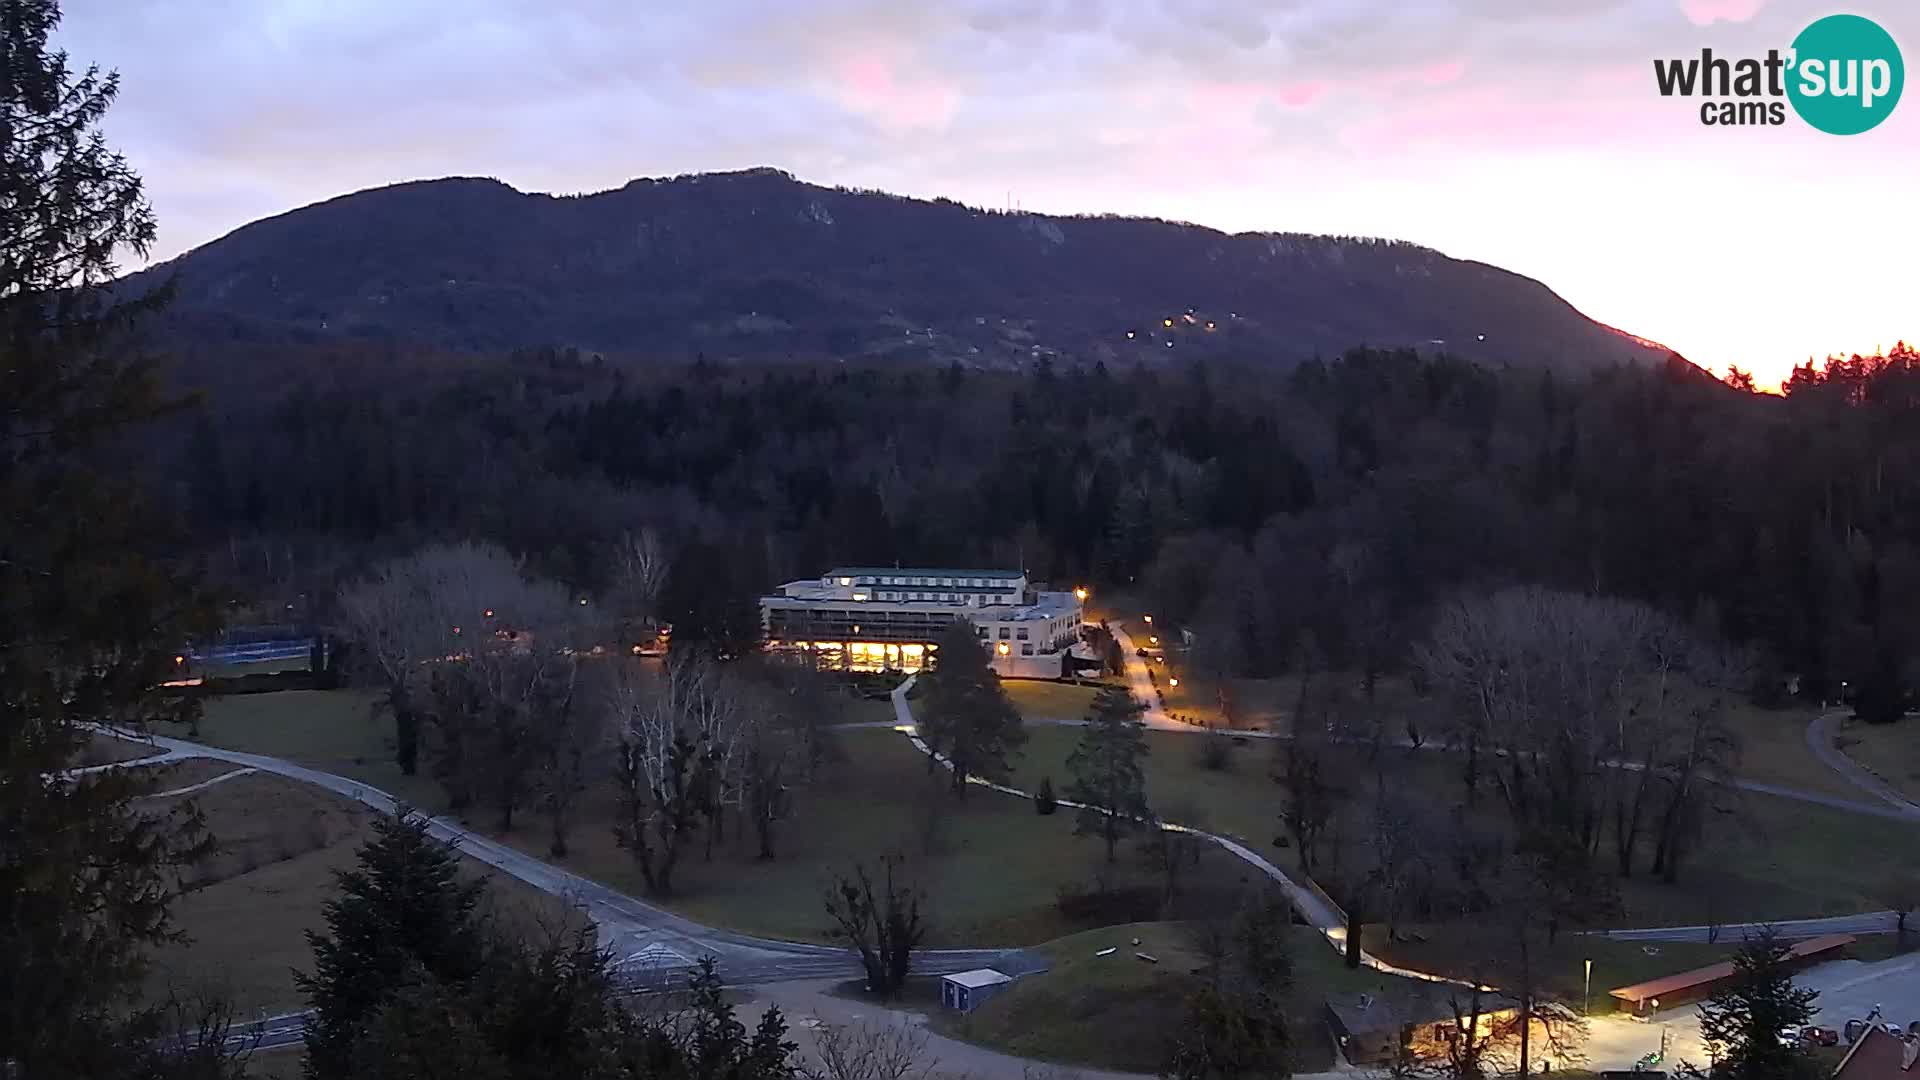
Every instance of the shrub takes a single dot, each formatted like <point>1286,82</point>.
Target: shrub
<point>1043,801</point>
<point>1216,752</point>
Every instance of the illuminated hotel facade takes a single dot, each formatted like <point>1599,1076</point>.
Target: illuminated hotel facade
<point>866,618</point>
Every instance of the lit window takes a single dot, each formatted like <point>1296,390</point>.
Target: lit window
<point>846,581</point>
<point>859,596</point>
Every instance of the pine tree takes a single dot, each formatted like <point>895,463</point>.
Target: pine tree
<point>404,916</point>
<point>1109,781</point>
<point>968,718</point>
<point>1741,1024</point>
<point>90,616</point>
<point>1236,1022</point>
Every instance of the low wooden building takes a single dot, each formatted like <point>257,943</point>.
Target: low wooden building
<point>1701,983</point>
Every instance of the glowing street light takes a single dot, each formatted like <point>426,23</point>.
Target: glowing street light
<point>1003,648</point>
<point>1173,682</point>
<point>488,613</point>
<point>178,659</point>
<point>1149,619</point>
<point>1080,594</point>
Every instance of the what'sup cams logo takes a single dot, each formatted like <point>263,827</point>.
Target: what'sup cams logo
<point>1843,75</point>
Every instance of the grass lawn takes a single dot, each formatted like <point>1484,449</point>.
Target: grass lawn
<point>1043,700</point>
<point>992,877</point>
<point>1774,750</point>
<point>1775,858</point>
<point>1615,963</point>
<point>285,1063</point>
<point>1892,751</point>
<point>340,731</point>
<point>1119,1012</point>
<point>853,709</point>
<point>1240,800</point>
<point>280,843</point>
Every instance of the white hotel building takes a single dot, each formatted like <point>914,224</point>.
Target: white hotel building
<point>869,618</point>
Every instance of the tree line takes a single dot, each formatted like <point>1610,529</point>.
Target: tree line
<point>1345,497</point>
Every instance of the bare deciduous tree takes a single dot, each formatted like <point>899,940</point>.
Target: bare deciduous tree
<point>1588,716</point>
<point>869,1050</point>
<point>882,928</point>
<point>639,572</point>
<point>676,733</point>
<point>424,607</point>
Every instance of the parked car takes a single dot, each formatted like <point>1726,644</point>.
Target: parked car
<point>1815,1035</point>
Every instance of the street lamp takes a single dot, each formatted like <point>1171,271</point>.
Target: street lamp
<point>1080,594</point>
<point>1003,648</point>
<point>1173,682</point>
<point>1149,619</point>
<point>1586,1002</point>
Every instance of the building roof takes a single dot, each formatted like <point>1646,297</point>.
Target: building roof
<point>1046,605</point>
<point>979,977</point>
<point>920,571</point>
<point>1713,973</point>
<point>1880,1056</point>
<point>1362,1013</point>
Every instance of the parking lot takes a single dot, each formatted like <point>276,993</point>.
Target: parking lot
<point>1850,989</point>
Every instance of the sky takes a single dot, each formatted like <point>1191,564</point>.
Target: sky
<point>1524,133</point>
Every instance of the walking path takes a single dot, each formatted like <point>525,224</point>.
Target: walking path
<point>201,786</point>
<point>647,938</point>
<point>1820,735</point>
<point>1314,906</point>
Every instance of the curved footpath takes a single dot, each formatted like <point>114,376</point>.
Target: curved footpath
<point>652,945</point>
<point>655,945</point>
<point>1319,911</point>
<point>1820,740</point>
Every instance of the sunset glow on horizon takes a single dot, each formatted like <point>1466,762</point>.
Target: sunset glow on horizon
<point>1493,130</point>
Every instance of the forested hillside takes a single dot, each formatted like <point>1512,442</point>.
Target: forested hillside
<point>759,266</point>
<point>1342,499</point>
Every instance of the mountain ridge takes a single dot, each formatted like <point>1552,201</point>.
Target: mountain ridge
<point>756,264</point>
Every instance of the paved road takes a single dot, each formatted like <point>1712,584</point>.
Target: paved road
<point>1141,684</point>
<point>1872,922</point>
<point>651,946</point>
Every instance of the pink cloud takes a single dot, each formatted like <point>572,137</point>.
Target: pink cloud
<point>871,86</point>
<point>1704,12</point>
<point>1300,95</point>
<point>1244,96</point>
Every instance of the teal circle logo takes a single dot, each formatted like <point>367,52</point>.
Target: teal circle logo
<point>1846,74</point>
